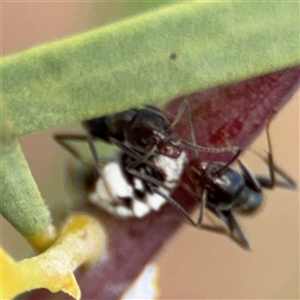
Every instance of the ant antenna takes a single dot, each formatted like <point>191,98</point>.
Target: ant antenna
<point>193,144</point>
<point>236,155</point>
<point>180,112</point>
<point>192,132</point>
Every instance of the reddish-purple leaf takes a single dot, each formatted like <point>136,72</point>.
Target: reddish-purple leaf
<point>236,113</point>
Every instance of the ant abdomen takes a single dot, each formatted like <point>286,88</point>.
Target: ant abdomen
<point>249,201</point>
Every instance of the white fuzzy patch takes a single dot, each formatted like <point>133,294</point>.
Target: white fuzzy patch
<point>123,212</point>
<point>138,185</point>
<point>140,209</point>
<point>107,194</point>
<point>155,201</point>
<point>116,181</point>
<point>115,186</point>
<point>172,168</point>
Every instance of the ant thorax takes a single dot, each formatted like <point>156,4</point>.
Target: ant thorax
<point>119,192</point>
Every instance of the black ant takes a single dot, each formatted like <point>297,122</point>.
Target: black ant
<point>224,190</point>
<point>149,165</point>
<point>143,131</point>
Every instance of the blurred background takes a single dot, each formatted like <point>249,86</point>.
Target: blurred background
<point>195,264</point>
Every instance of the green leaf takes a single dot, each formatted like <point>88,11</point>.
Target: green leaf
<point>150,58</point>
<point>20,196</point>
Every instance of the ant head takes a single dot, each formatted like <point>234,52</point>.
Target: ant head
<point>168,144</point>
<point>197,168</point>
<point>150,129</point>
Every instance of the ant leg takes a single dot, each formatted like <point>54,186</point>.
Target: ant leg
<point>62,139</point>
<point>286,182</point>
<point>250,177</point>
<point>236,233</point>
<point>124,149</point>
<point>167,198</point>
<point>213,228</point>
<point>93,150</point>
<point>175,205</point>
<point>135,155</point>
<point>148,178</point>
<point>270,182</point>
<point>202,201</point>
<point>139,159</point>
<point>92,147</point>
<point>202,205</point>
<point>188,189</point>
<point>142,159</point>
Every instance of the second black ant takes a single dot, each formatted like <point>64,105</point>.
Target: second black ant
<point>223,190</point>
